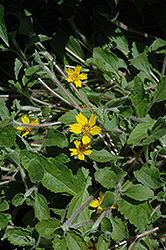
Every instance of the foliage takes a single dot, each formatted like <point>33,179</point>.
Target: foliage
<point>82,125</point>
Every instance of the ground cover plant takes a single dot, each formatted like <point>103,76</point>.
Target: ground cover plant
<point>82,125</point>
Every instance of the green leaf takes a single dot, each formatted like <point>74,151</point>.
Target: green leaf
<point>102,156</point>
<point>137,213</point>
<point>3,31</point>
<point>121,41</point>
<point>35,170</point>
<point>125,111</point>
<point>59,243</point>
<point>45,110</point>
<point>3,204</point>
<point>139,99</point>
<point>20,237</point>
<point>106,225</point>
<point>103,243</point>
<point>115,102</point>
<point>119,229</point>
<point>3,220</point>
<point>7,136</point>
<point>149,177</point>
<point>31,70</point>
<point>69,117</point>
<point>55,138</point>
<point>76,48</point>
<point>158,43</point>
<point>94,97</point>
<point>18,199</point>
<point>46,228</point>
<point>139,132</point>
<point>106,178</point>
<point>77,201</point>
<point>4,112</point>
<point>108,200</point>
<point>105,61</point>
<point>17,67</point>
<point>41,207</point>
<point>75,241</point>
<point>59,178</point>
<point>160,92</point>
<point>157,131</point>
<point>110,123</point>
<point>141,63</point>
<point>139,192</point>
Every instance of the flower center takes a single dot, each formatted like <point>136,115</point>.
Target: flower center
<point>86,129</point>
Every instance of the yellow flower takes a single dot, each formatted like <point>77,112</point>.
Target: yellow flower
<point>26,120</point>
<point>96,203</point>
<point>91,246</point>
<point>80,150</point>
<point>75,76</point>
<point>85,127</point>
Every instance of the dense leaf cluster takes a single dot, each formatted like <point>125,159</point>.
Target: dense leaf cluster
<point>45,193</point>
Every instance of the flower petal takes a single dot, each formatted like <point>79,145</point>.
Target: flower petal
<point>75,128</point>
<point>78,83</point>
<point>78,69</point>
<point>77,144</point>
<point>83,76</point>
<point>74,151</point>
<point>88,152</point>
<point>94,203</point>
<point>95,130</point>
<point>25,119</point>
<point>81,119</point>
<point>21,129</point>
<point>86,139</point>
<point>26,133</point>
<point>35,122</point>
<point>81,156</point>
<point>99,210</point>
<point>92,120</point>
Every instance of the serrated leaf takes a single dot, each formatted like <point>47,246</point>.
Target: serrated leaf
<point>102,156</point>
<point>59,243</point>
<point>105,61</point>
<point>17,67</point>
<point>106,178</point>
<point>55,138</point>
<point>106,225</point>
<point>139,192</point>
<point>76,48</point>
<point>108,200</point>
<point>141,63</point>
<point>3,31</point>
<point>110,123</point>
<point>41,207</point>
<point>77,201</point>
<point>46,228</point>
<point>7,136</point>
<point>19,236</point>
<point>158,43</point>
<point>149,177</point>
<point>4,112</point>
<point>35,170</point>
<point>57,177</point>
<point>138,214</point>
<point>3,220</point>
<point>139,99</point>
<point>119,229</point>
<point>157,131</point>
<point>69,117</point>
<point>103,243</point>
<point>139,132</point>
<point>160,92</point>
<point>75,241</point>
<point>31,70</point>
